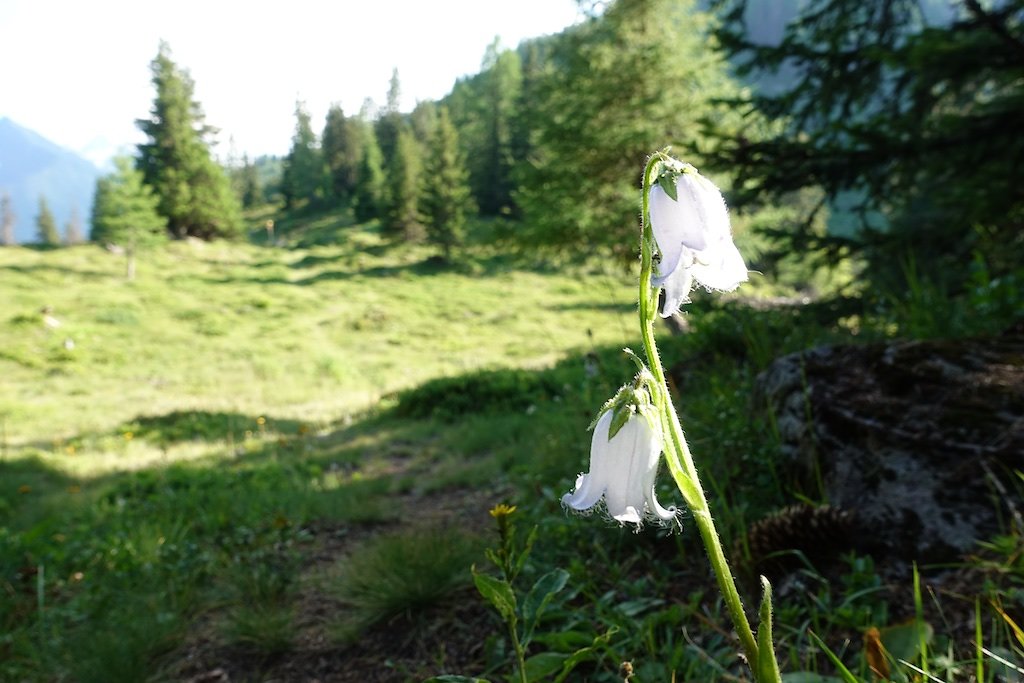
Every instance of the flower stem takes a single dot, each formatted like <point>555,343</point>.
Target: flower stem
<point>677,453</point>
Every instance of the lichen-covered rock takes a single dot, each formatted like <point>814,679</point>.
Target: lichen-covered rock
<point>921,440</point>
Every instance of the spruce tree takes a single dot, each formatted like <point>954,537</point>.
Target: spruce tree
<point>46,225</point>
<point>389,122</point>
<point>342,144</point>
<point>7,220</point>
<point>369,191</point>
<point>303,167</point>
<point>629,81</point>
<point>907,114</point>
<point>194,192</point>
<point>125,213</point>
<point>446,199</point>
<point>402,215</point>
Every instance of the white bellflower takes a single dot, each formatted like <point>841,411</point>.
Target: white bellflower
<point>693,236</point>
<point>622,471</point>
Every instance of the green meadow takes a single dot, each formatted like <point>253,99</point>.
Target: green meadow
<point>277,462</point>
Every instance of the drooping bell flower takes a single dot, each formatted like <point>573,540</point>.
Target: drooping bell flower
<point>693,236</point>
<point>623,467</point>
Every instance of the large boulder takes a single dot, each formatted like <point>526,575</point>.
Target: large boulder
<point>922,441</point>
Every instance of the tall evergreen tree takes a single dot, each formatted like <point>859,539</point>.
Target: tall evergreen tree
<point>368,199</point>
<point>389,121</point>
<point>7,220</point>
<point>446,199</point>
<point>402,213</point>
<point>632,80</point>
<point>46,225</point>
<point>342,144</point>
<point>73,233</point>
<point>125,212</point>
<point>194,192</point>
<point>304,166</point>
<point>484,110</point>
<point>249,186</point>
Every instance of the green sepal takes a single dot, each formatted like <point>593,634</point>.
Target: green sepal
<point>620,417</point>
<point>667,182</point>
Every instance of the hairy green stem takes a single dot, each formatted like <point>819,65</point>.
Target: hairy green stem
<point>677,454</point>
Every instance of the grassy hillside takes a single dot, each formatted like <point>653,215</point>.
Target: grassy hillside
<point>302,334</point>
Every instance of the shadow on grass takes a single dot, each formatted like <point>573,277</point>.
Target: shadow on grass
<point>204,425</point>
<point>37,268</point>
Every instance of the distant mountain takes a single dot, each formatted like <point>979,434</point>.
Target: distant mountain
<point>31,166</point>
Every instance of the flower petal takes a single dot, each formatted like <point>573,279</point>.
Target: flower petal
<point>677,291</point>
<point>676,225</point>
<point>720,267</point>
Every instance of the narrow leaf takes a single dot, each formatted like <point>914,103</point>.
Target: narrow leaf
<point>767,666</point>
<point>844,673</point>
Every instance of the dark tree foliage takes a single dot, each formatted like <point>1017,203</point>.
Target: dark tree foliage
<point>342,143</point>
<point>194,191</point>
<point>369,190</point>
<point>303,178</point>
<point>907,118</point>
<point>484,108</point>
<point>402,189</point>
<point>612,90</point>
<point>446,199</point>
<point>389,122</point>
<point>46,225</point>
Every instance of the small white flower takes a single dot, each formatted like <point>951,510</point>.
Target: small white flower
<point>622,471</point>
<point>694,239</point>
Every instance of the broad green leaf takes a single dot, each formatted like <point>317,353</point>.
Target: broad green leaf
<point>538,598</point>
<point>498,593</point>
<point>904,641</point>
<point>448,678</point>
<point>544,664</point>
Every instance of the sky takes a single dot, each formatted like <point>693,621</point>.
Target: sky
<point>77,72</point>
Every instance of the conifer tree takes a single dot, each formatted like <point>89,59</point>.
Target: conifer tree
<point>402,215</point>
<point>249,187</point>
<point>194,193</point>
<point>446,199</point>
<point>73,233</point>
<point>125,213</point>
<point>390,122</point>
<point>369,191</point>
<point>7,220</point>
<point>342,144</point>
<point>304,166</point>
<point>633,79</point>
<point>46,225</point>
<point>906,114</point>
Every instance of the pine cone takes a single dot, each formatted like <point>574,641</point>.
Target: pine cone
<point>788,538</point>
